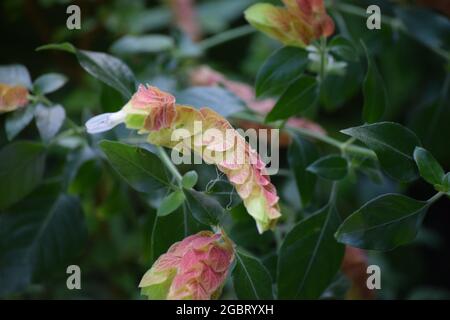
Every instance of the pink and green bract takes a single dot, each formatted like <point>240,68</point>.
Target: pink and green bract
<point>192,269</point>
<point>297,24</point>
<point>12,97</point>
<point>208,134</point>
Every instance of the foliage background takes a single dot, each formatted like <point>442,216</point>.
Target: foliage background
<point>115,250</point>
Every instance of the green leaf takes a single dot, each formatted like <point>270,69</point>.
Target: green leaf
<point>251,280</point>
<point>139,167</point>
<point>331,167</point>
<point>65,46</point>
<point>220,100</point>
<point>279,70</point>
<point>21,170</point>
<point>383,223</point>
<point>111,70</point>
<point>40,235</point>
<point>152,43</point>
<point>49,120</point>
<point>301,154</point>
<point>370,168</point>
<point>429,168</point>
<point>445,185</point>
<point>49,82</point>
<point>374,92</point>
<point>189,179</point>
<point>427,27</point>
<point>336,89</point>
<point>17,121</point>
<point>343,48</point>
<point>298,97</point>
<point>204,208</point>
<point>310,257</point>
<point>171,203</point>
<point>110,99</point>
<point>216,16</point>
<point>15,74</point>
<point>394,146</point>
<point>172,228</point>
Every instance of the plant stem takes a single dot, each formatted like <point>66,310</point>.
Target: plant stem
<point>333,192</point>
<point>323,58</point>
<point>169,164</point>
<point>226,36</point>
<point>435,197</point>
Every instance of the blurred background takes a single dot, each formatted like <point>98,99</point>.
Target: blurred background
<point>182,34</point>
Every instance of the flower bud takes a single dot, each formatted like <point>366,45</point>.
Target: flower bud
<point>12,97</point>
<point>192,269</point>
<point>207,134</point>
<point>297,24</point>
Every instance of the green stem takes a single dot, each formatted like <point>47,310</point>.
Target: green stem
<point>40,98</point>
<point>435,197</point>
<point>226,36</point>
<point>333,192</point>
<point>323,56</point>
<point>169,164</point>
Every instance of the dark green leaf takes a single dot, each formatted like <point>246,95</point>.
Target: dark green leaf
<point>344,48</point>
<point>394,146</point>
<point>111,70</point>
<point>281,69</point>
<point>383,223</point>
<point>445,185</point>
<point>189,179</point>
<point>218,99</point>
<point>142,44</point>
<point>65,46</point>
<point>49,82</point>
<point>75,161</point>
<point>139,167</point>
<point>171,203</point>
<point>310,257</point>
<point>374,92</point>
<point>216,16</point>
<point>110,99</point>
<point>429,28</point>
<point>298,97</point>
<point>21,170</point>
<point>204,208</point>
<point>370,168</point>
<point>15,74</point>
<point>331,167</point>
<point>39,236</point>
<point>429,168</point>
<point>251,280</point>
<point>300,155</point>
<point>18,120</point>
<point>336,89</point>
<point>172,228</point>
<point>49,120</point>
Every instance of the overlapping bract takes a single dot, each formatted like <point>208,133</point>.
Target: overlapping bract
<point>194,268</point>
<point>211,136</point>
<point>297,24</point>
<point>12,97</point>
